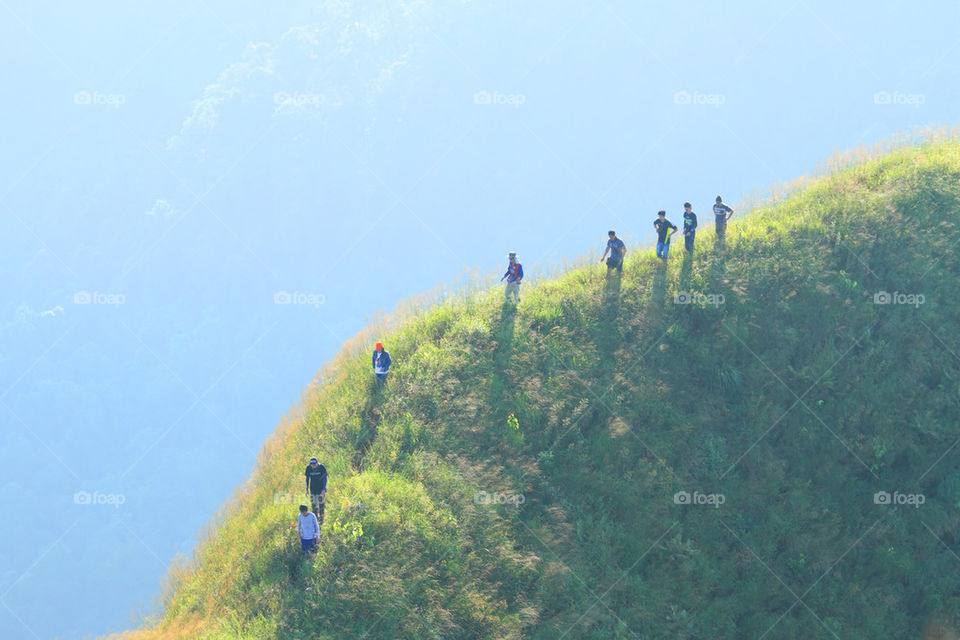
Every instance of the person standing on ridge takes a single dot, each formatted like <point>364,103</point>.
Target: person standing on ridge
<point>721,214</point>
<point>617,250</point>
<point>381,364</point>
<point>689,227</point>
<point>309,530</point>
<point>317,487</point>
<point>665,229</point>
<point>514,276</point>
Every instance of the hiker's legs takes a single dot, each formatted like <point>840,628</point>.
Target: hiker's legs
<point>721,228</point>
<point>381,379</point>
<point>512,293</point>
<point>317,502</point>
<point>688,241</point>
<point>307,545</point>
<point>660,246</point>
<point>666,250</point>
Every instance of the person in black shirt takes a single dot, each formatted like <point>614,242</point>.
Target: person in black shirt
<point>317,487</point>
<point>721,213</point>
<point>665,229</point>
<point>689,226</point>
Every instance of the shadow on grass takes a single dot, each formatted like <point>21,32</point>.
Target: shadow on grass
<point>370,416</point>
<point>686,271</point>
<point>609,332</point>
<point>502,353</point>
<point>718,266</point>
<point>659,288</point>
<point>611,294</point>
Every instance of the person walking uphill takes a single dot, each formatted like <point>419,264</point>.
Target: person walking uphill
<point>381,364</point>
<point>309,530</point>
<point>514,276</point>
<point>617,250</point>
<point>317,487</point>
<point>665,229</point>
<point>721,214</point>
<point>689,226</point>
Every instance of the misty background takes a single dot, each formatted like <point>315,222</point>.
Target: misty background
<point>200,201</point>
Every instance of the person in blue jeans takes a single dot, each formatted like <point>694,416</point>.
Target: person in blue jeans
<point>665,229</point>
<point>689,226</point>
<point>309,530</point>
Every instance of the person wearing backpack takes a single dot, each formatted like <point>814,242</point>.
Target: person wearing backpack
<point>381,364</point>
<point>514,276</point>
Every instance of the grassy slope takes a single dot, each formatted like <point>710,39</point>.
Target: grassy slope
<point>623,398</point>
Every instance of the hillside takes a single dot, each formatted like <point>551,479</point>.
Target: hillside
<point>520,476</point>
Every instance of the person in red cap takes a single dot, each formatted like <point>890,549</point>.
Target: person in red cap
<point>381,364</point>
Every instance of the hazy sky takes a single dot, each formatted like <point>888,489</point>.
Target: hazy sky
<point>170,172</point>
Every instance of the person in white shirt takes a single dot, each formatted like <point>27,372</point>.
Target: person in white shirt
<point>309,530</point>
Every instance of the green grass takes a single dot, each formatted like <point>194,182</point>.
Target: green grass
<point>797,398</point>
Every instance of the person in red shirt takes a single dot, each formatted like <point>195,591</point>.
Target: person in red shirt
<point>514,276</point>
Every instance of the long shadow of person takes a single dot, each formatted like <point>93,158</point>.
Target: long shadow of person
<point>718,266</point>
<point>502,352</point>
<point>686,271</point>
<point>611,294</point>
<point>608,336</point>
<point>659,290</point>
